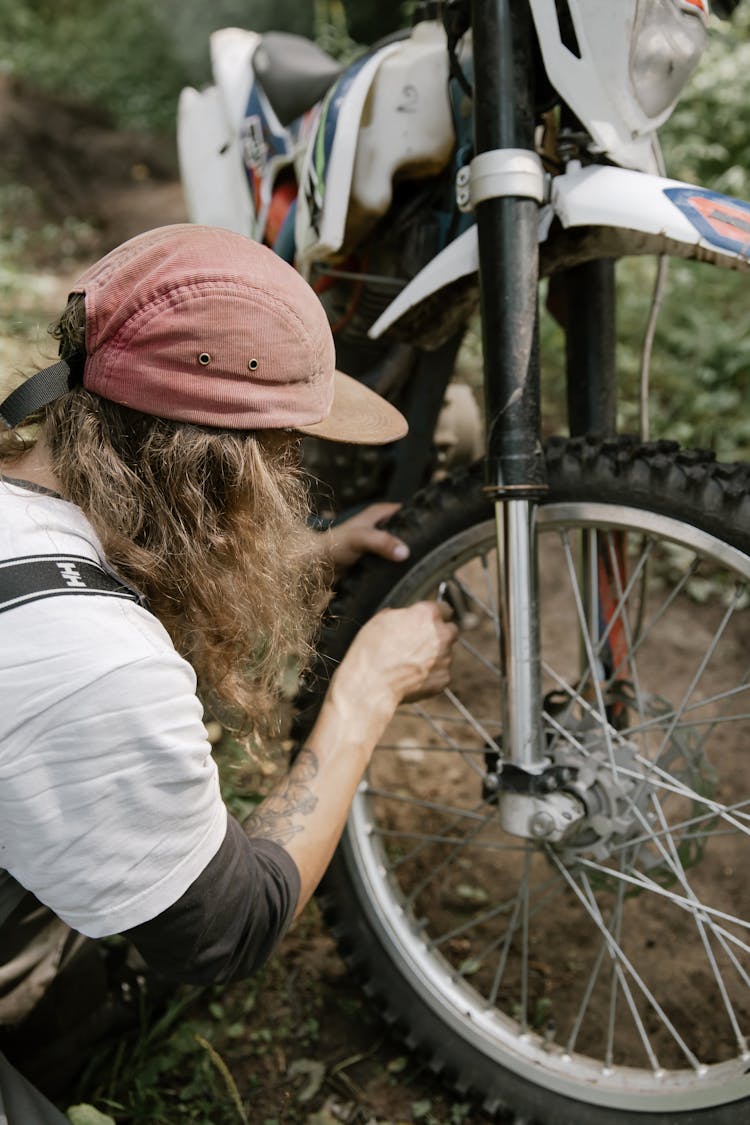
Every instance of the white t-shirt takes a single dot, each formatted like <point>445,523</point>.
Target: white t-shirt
<point>109,797</point>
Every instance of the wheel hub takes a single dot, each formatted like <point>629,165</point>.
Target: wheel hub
<point>594,794</point>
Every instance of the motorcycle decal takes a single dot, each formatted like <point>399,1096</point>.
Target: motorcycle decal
<point>275,142</point>
<point>721,220</point>
<point>323,144</point>
<point>409,100</point>
<point>254,154</point>
<point>699,7</point>
<point>328,165</point>
<point>253,143</point>
<point>265,146</point>
<point>313,186</point>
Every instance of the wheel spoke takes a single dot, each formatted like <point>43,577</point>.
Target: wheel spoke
<point>456,748</point>
<point>633,841</point>
<point>671,784</point>
<point>455,850</point>
<point>525,940</point>
<point>701,669</point>
<point>420,803</point>
<point>676,591</point>
<point>623,617</point>
<point>545,894</point>
<point>476,726</point>
<point>701,920</point>
<point>583,626</point>
<point>583,703</point>
<point>619,978</point>
<point>491,595</point>
<point>425,838</point>
<point>643,882</point>
<point>618,614</point>
<point>488,610</point>
<point>707,701</point>
<point>586,998</point>
<point>696,724</point>
<point>619,955</point>
<point>468,647</point>
<point>448,739</point>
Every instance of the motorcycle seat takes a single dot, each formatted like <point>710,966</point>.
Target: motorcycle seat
<point>294,73</point>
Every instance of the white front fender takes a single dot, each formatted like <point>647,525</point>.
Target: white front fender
<point>676,211</point>
<point>648,214</point>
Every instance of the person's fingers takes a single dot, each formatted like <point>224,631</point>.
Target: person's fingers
<point>446,610</point>
<point>401,654</point>
<point>376,542</point>
<point>361,535</point>
<point>437,671</point>
<point>378,513</point>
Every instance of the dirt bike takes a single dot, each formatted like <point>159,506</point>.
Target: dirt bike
<point>542,879</point>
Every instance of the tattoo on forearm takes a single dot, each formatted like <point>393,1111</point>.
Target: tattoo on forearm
<point>279,816</point>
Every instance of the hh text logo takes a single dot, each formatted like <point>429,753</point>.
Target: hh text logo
<point>70,574</point>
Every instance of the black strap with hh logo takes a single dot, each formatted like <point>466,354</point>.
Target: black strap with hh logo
<point>30,578</point>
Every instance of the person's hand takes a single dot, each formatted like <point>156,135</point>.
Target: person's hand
<point>398,656</point>
<point>345,543</point>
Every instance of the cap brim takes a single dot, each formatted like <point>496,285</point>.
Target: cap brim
<point>358,415</point>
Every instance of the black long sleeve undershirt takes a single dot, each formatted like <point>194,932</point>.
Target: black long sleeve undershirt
<point>228,921</point>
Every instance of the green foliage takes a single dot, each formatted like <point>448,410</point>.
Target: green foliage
<point>189,24</point>
<point>132,57</point>
<point>117,56</point>
<point>87,1115</point>
<point>162,1074</point>
<point>700,367</point>
<point>700,370</point>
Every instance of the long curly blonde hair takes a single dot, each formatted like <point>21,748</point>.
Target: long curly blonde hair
<point>211,525</point>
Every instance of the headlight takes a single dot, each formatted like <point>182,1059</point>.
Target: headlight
<point>668,39</point>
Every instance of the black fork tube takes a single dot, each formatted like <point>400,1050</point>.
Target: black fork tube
<point>590,346</point>
<point>508,250</point>
<point>507,215</point>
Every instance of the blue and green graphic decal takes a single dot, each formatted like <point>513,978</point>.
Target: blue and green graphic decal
<point>324,137</point>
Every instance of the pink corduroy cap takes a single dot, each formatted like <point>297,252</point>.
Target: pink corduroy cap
<point>202,325</point>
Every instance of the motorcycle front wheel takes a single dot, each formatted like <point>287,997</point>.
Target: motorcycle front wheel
<point>603,979</point>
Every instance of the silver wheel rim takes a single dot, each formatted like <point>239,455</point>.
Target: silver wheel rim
<point>514,1034</point>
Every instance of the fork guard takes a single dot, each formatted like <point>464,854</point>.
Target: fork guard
<point>604,212</point>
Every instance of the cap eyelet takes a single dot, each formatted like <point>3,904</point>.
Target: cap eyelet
<point>204,359</point>
<point>252,364</point>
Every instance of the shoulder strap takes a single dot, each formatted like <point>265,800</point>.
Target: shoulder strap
<point>39,390</point>
<point>28,579</point>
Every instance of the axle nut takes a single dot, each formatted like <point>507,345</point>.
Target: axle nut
<point>541,824</point>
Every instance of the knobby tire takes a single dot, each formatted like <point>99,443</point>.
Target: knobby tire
<point>687,501</point>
